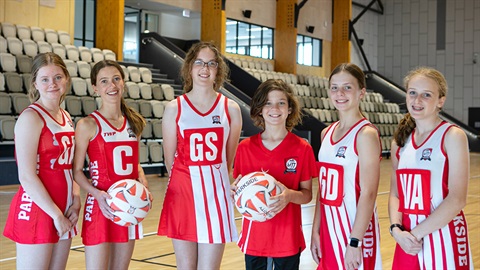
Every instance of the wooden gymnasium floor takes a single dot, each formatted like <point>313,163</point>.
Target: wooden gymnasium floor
<point>154,252</point>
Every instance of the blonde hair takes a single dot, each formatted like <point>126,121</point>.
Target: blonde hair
<point>260,98</point>
<point>136,120</point>
<point>407,124</point>
<point>185,72</point>
<point>42,60</point>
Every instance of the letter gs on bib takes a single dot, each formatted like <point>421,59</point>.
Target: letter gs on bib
<point>204,146</point>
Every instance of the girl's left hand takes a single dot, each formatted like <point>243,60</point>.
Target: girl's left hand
<point>353,257</point>
<point>233,188</point>
<point>74,210</point>
<point>282,199</point>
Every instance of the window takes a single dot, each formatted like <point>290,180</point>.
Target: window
<point>84,23</point>
<point>249,39</point>
<point>309,51</point>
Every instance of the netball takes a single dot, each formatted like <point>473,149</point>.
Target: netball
<point>130,201</point>
<point>253,196</point>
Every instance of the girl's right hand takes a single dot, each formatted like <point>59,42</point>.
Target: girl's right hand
<point>233,187</point>
<point>101,197</point>
<point>315,248</point>
<point>62,224</point>
<point>408,242</point>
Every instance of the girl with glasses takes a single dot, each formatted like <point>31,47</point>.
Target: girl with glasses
<point>201,129</point>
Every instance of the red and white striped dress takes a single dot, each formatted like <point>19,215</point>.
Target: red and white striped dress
<point>197,205</point>
<point>26,222</point>
<point>339,185</point>
<point>113,156</point>
<point>422,184</point>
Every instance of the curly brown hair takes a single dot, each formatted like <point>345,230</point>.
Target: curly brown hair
<point>222,69</point>
<point>260,98</point>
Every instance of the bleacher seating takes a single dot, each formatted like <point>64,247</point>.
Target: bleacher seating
<point>19,44</point>
<point>7,127</point>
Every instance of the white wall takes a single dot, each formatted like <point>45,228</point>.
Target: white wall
<point>179,27</point>
<point>367,29</point>
<point>407,38</point>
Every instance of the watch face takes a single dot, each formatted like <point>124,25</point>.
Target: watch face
<point>354,242</point>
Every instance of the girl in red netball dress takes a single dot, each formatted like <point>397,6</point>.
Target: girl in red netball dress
<point>345,232</point>
<point>110,136</point>
<point>44,212</point>
<point>290,160</point>
<point>201,129</point>
<point>429,181</point>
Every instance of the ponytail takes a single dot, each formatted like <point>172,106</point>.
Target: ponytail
<point>136,120</point>
<point>405,128</point>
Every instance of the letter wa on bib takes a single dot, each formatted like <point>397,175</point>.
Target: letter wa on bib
<point>413,187</point>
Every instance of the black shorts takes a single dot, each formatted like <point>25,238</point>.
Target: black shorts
<point>281,263</point>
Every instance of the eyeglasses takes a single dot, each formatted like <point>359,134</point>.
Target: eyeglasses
<point>209,64</point>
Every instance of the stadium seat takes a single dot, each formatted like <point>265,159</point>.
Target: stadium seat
<point>73,105</point>
<point>20,102</point>
<point>23,32</point>
<point>64,38</point>
<point>15,46</point>
<point>158,108</point>
<point>3,45</point>
<point>143,157</point>
<point>9,30</point>
<point>24,63</point>
<point>51,36</point>
<point>146,74</point>
<point>5,103</point>
<point>145,90</point>
<point>145,108</point>
<point>328,116</point>
<point>84,69</point>
<point>133,104</point>
<point>26,77</point>
<point>79,86</point>
<point>72,52</point>
<point>97,55</point>
<point>109,55</point>
<point>14,82</point>
<point>85,54</point>
<point>156,152</point>
<point>7,128</point>
<point>88,104</point>
<point>157,128</point>
<point>71,67</point>
<point>60,50</point>
<point>134,74</point>
<point>147,132</point>
<point>8,62</point>
<point>125,72</point>
<point>2,82</point>
<point>168,91</point>
<point>133,90</point>
<point>90,89</point>
<point>37,33</point>
<point>30,47</point>
<point>44,46</point>
<point>157,91</point>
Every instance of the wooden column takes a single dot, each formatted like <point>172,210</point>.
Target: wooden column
<point>342,13</point>
<point>214,25</point>
<point>285,43</point>
<point>109,32</point>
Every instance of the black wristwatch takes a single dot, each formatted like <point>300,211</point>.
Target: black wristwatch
<point>396,225</point>
<point>354,242</point>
